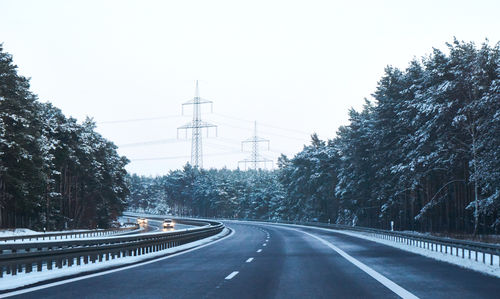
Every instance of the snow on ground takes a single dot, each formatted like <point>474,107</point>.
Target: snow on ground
<point>467,263</point>
<point>59,238</point>
<point>479,266</point>
<point>17,232</point>
<point>24,231</point>
<point>24,279</point>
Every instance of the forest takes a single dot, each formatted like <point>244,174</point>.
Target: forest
<point>424,152</point>
<point>54,172</point>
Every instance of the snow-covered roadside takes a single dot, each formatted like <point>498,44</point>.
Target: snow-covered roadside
<point>59,238</point>
<point>24,231</point>
<point>17,232</point>
<point>448,258</point>
<point>20,232</point>
<point>9,282</point>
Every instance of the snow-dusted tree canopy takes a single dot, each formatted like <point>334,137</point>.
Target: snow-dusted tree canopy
<point>54,172</point>
<point>424,154</point>
<point>209,193</point>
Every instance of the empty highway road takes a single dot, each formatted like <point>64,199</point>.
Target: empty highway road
<point>271,261</point>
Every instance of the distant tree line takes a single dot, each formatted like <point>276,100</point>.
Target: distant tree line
<point>209,193</point>
<point>54,172</point>
<point>425,153</point>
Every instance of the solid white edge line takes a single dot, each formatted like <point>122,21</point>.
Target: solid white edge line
<point>249,260</point>
<point>230,276</point>
<point>32,289</point>
<point>398,290</point>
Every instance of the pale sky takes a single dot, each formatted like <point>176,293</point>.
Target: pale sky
<point>296,67</point>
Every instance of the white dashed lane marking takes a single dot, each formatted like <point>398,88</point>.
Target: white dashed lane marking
<point>249,260</point>
<point>259,250</point>
<point>230,276</point>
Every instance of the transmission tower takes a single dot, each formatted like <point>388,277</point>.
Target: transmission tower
<point>196,126</point>
<point>255,157</point>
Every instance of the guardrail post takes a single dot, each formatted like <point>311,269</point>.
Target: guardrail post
<point>49,264</point>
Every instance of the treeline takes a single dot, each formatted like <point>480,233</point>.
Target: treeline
<point>208,193</point>
<point>54,172</point>
<point>425,153</point>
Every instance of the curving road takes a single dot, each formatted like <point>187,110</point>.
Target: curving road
<point>153,225</point>
<point>268,261</point>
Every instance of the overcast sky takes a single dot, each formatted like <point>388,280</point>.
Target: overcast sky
<point>296,67</point>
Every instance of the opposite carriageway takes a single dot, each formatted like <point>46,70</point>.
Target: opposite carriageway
<point>25,257</point>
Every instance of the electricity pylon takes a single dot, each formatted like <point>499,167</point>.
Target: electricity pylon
<point>196,126</point>
<point>255,157</point>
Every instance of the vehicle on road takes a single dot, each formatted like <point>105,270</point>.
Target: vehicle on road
<point>168,223</point>
<point>142,221</point>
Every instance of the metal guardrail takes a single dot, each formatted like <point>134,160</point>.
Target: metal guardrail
<point>38,256</point>
<point>466,249</point>
<point>69,235</point>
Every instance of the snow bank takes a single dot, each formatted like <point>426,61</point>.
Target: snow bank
<point>17,232</point>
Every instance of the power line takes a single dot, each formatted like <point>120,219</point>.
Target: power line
<point>221,146</point>
<point>266,132</point>
<point>137,119</point>
<point>264,124</point>
<point>183,157</point>
<point>151,142</point>
<point>230,141</point>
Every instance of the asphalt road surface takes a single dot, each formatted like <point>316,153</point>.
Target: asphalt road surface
<point>153,225</point>
<point>266,261</point>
